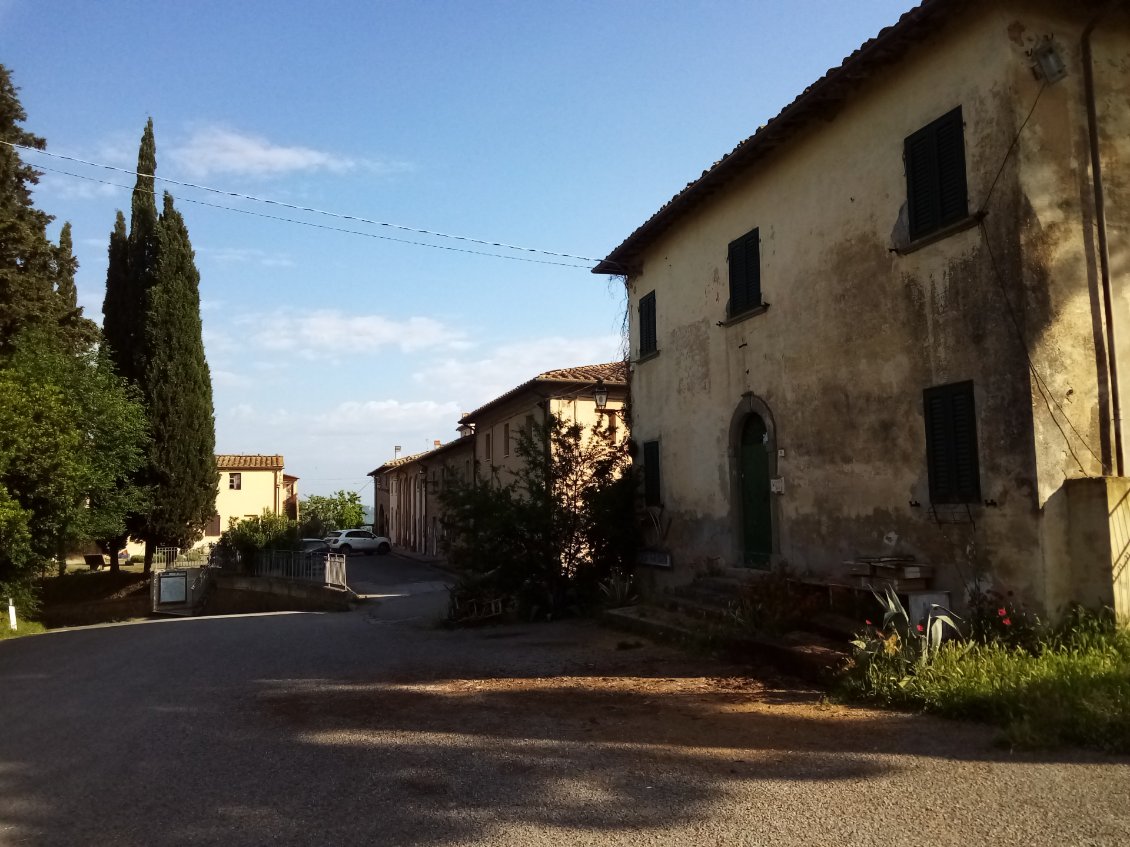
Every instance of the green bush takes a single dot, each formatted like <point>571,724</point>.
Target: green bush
<point>1046,688</point>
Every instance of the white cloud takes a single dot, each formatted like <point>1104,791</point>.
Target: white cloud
<point>478,380</point>
<point>211,150</point>
<point>389,416</point>
<point>245,255</point>
<point>328,333</point>
<point>230,379</point>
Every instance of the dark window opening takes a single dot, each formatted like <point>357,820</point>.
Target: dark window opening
<point>951,443</point>
<point>936,194</point>
<point>651,473</point>
<point>235,481</point>
<point>745,273</point>
<point>647,324</point>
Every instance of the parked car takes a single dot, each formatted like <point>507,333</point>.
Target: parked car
<point>358,541</point>
<point>315,545</point>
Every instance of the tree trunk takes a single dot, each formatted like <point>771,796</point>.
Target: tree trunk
<point>149,550</point>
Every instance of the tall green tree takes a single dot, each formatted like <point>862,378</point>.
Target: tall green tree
<point>153,332</point>
<point>70,432</point>
<point>31,266</point>
<point>178,391</point>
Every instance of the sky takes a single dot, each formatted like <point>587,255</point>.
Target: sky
<point>554,127</point>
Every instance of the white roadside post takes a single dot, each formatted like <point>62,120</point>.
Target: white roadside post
<point>11,613</point>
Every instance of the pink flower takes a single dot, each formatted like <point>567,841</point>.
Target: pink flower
<point>921,628</point>
<point>1002,612</point>
<point>1007,622</point>
<point>868,623</point>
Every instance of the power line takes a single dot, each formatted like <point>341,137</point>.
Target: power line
<point>319,226</point>
<point>499,244</point>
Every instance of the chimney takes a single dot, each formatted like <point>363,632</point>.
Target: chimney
<point>396,452</point>
<point>437,443</point>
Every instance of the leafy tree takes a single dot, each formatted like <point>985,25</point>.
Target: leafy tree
<point>563,524</point>
<point>69,430</point>
<point>320,515</point>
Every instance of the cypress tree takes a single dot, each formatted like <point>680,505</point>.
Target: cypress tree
<point>118,319</point>
<point>75,331</point>
<point>152,327</point>
<point>27,295</point>
<point>178,391</point>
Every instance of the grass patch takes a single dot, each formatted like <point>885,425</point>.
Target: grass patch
<point>25,628</point>
<point>85,586</point>
<point>1073,688</point>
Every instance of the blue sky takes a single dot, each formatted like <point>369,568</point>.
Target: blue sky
<point>555,126</point>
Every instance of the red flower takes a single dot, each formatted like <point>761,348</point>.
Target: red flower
<point>1007,622</point>
<point>1002,612</point>
<point>868,623</point>
<point>921,628</point>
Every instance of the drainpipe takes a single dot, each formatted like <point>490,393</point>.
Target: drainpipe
<point>1100,222</point>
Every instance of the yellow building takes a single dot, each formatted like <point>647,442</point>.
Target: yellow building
<point>885,324</point>
<point>248,485</point>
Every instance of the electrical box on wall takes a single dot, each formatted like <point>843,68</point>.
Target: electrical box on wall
<point>777,485</point>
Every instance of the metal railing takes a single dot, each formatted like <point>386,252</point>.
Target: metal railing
<point>322,568</point>
<point>170,558</point>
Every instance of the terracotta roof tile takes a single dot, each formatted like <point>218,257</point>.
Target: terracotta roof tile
<point>613,373</point>
<point>248,462</point>
<point>404,460</point>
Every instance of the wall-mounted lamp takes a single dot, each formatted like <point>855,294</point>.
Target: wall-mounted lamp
<point>600,395</point>
<point>1049,64</point>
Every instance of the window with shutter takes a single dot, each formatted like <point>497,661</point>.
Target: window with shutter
<point>651,473</point>
<point>745,273</point>
<point>648,342</point>
<point>951,443</point>
<point>936,193</point>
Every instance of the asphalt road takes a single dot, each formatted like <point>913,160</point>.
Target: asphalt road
<point>377,727</point>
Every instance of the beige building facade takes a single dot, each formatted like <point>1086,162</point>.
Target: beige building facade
<point>408,489</point>
<point>250,484</point>
<point>893,322</point>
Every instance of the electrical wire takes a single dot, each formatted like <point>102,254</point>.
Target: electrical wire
<point>326,227</point>
<point>499,244</point>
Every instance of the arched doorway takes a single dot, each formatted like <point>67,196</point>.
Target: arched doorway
<point>756,508</point>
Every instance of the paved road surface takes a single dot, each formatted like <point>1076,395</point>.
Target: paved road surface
<point>376,727</point>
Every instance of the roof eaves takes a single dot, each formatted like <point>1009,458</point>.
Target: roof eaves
<point>826,94</point>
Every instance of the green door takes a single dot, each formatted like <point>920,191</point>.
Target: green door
<point>757,522</point>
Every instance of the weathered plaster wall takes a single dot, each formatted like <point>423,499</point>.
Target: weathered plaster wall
<point>855,332</point>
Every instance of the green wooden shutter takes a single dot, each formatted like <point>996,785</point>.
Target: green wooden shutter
<point>648,340</point>
<point>936,191</point>
<point>951,443</point>
<point>745,273</point>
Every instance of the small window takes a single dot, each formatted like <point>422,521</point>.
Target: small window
<point>235,481</point>
<point>651,473</point>
<point>489,447</point>
<point>745,273</point>
<point>610,432</point>
<point>647,324</point>
<point>506,439</point>
<point>213,526</point>
<point>951,443</point>
<point>936,193</point>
